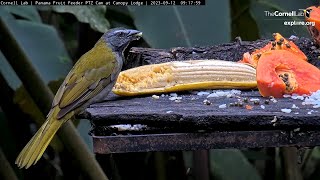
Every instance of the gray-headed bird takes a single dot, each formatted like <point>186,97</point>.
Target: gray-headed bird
<point>89,81</point>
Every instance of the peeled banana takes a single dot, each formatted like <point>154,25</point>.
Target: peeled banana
<point>185,75</point>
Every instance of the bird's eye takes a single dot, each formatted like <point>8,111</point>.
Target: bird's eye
<point>307,13</point>
<point>122,34</point>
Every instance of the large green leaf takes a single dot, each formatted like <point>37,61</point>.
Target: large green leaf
<point>47,53</point>
<point>231,164</point>
<point>28,106</point>
<point>268,24</point>
<point>8,73</point>
<point>26,12</point>
<point>171,26</point>
<point>94,15</point>
<point>43,46</point>
<point>84,127</point>
<point>312,165</point>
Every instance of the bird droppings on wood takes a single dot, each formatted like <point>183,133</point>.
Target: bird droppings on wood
<point>155,96</point>
<point>206,102</point>
<point>222,106</point>
<point>274,120</point>
<point>286,110</point>
<point>273,100</point>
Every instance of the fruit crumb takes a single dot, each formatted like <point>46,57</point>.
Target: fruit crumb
<point>248,107</point>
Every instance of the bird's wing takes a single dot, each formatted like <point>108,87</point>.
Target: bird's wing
<point>88,77</point>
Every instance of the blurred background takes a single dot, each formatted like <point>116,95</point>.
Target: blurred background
<point>54,37</point>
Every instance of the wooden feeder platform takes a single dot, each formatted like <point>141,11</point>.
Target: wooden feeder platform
<point>193,125</point>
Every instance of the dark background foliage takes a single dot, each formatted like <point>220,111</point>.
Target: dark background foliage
<point>54,37</point>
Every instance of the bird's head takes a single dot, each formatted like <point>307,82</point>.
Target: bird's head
<point>119,38</point>
<point>307,11</point>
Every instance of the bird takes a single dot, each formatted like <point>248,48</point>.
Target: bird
<point>312,16</point>
<point>89,81</point>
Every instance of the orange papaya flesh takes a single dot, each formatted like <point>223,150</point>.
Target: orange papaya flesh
<point>283,43</point>
<point>253,58</point>
<point>282,72</point>
<point>280,43</point>
<point>249,59</point>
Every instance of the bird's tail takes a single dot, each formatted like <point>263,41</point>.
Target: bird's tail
<point>33,151</point>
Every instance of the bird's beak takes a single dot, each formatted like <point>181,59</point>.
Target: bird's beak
<point>135,34</point>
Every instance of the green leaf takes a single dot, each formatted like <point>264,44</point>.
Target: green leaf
<point>171,26</point>
<point>231,164</point>
<point>94,15</point>
<point>256,155</point>
<point>5,68</point>
<point>43,46</point>
<point>5,13</point>
<point>26,12</point>
<point>84,127</point>
<point>270,24</point>
<point>8,73</point>
<point>27,105</point>
<point>47,53</point>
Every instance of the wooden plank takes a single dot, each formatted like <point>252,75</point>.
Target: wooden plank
<point>196,141</point>
<point>191,113</point>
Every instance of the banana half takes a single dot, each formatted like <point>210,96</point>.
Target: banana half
<point>185,75</point>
